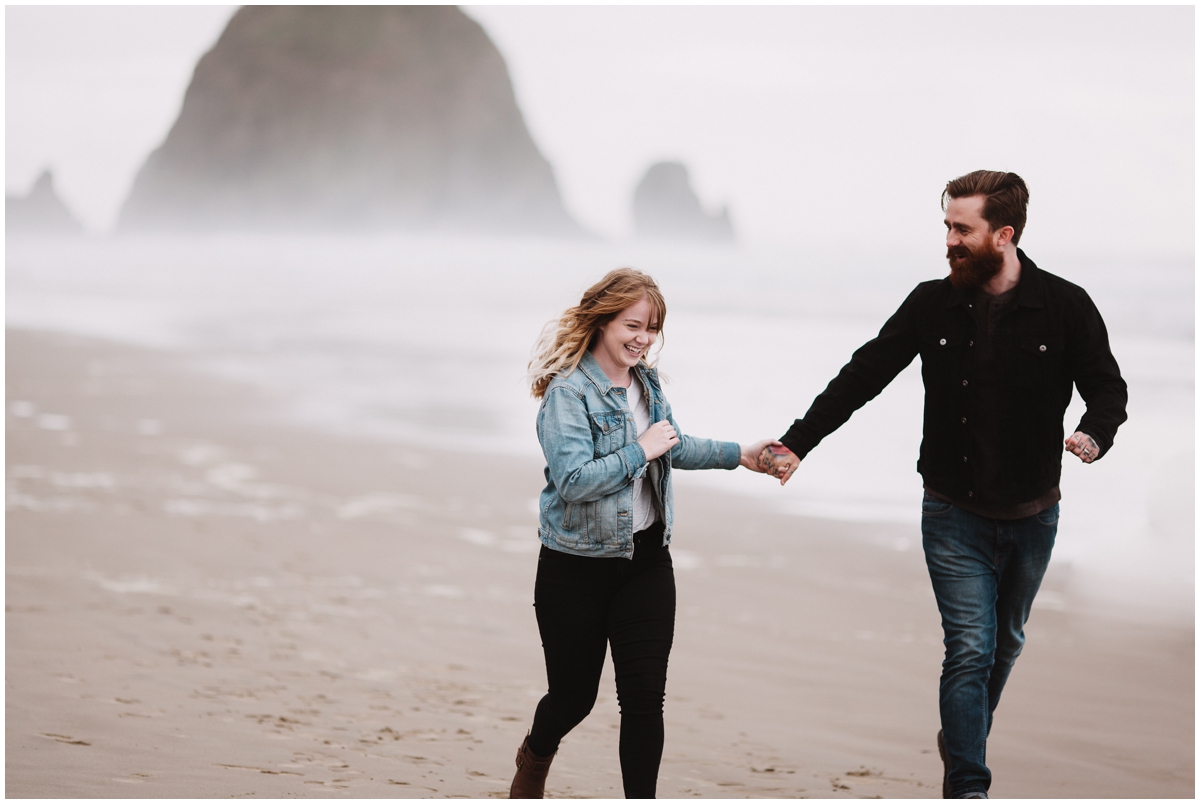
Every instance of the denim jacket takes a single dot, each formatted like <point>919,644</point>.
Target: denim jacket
<point>589,438</point>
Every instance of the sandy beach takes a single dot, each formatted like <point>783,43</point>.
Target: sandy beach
<point>202,602</point>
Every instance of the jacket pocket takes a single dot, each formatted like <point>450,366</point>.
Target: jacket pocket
<point>1042,346</point>
<point>943,348</point>
<point>1039,360</point>
<point>574,524</point>
<point>608,432</point>
<point>942,341</point>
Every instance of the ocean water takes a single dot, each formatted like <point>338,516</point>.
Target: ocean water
<point>426,341</point>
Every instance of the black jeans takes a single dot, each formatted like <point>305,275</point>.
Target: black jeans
<point>583,605</point>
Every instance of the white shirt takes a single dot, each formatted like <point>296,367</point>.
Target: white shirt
<point>644,511</point>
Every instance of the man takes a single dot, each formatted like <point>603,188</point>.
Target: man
<point>1001,343</point>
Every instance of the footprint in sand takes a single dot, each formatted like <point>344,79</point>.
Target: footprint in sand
<point>64,738</point>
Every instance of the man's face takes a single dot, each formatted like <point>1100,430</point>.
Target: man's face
<point>973,256</point>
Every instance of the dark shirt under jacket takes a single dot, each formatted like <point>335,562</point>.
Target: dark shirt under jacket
<point>1052,339</point>
<point>988,501</point>
<point>985,435</point>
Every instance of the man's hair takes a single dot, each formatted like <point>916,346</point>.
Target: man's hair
<point>1005,197</point>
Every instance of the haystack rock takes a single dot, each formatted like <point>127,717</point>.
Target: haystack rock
<point>359,118</point>
<point>40,212</point>
<point>666,207</point>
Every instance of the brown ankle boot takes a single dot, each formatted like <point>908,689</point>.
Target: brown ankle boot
<point>530,781</point>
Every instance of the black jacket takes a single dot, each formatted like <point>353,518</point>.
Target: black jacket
<point>1054,338</point>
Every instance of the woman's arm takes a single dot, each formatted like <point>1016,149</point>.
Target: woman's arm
<point>701,453</point>
<point>565,433</point>
<point>705,453</point>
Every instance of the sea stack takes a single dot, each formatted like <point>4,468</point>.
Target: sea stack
<point>666,207</point>
<point>349,118</point>
<point>40,212</point>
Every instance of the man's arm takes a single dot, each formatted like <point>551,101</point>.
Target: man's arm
<point>1098,378</point>
<point>875,364</point>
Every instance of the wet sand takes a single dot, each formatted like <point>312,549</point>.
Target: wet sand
<point>203,602</point>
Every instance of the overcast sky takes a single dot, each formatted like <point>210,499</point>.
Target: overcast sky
<point>831,126</point>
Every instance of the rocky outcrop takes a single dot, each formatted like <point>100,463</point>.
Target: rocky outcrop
<point>349,118</point>
<point>40,212</point>
<point>666,207</point>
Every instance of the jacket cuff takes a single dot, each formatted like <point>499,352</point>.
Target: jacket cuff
<point>634,458</point>
<point>731,454</point>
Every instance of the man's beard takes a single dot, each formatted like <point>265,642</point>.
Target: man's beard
<point>973,269</point>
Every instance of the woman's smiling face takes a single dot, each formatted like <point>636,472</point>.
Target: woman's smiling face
<point>626,339</point>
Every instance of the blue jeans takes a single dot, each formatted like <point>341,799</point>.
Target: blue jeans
<point>985,574</point>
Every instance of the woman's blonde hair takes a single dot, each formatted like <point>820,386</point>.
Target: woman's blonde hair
<point>562,343</point>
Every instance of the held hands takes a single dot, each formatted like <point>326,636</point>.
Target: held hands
<point>772,458</point>
<point>658,439</point>
<point>1082,445</point>
<point>780,462</point>
<point>751,453</point>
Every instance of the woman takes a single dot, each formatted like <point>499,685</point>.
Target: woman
<point>604,573</point>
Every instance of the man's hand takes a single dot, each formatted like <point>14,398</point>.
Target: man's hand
<point>778,461</point>
<point>1082,445</point>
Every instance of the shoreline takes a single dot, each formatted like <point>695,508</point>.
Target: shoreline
<point>204,602</point>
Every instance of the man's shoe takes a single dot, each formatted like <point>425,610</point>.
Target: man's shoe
<point>941,742</point>
<point>530,781</point>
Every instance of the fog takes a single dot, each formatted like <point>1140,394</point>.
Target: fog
<point>830,126</point>
<point>91,90</point>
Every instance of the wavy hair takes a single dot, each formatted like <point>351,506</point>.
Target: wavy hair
<point>562,343</point>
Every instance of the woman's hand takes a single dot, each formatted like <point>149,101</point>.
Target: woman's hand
<point>751,452</point>
<point>658,439</point>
